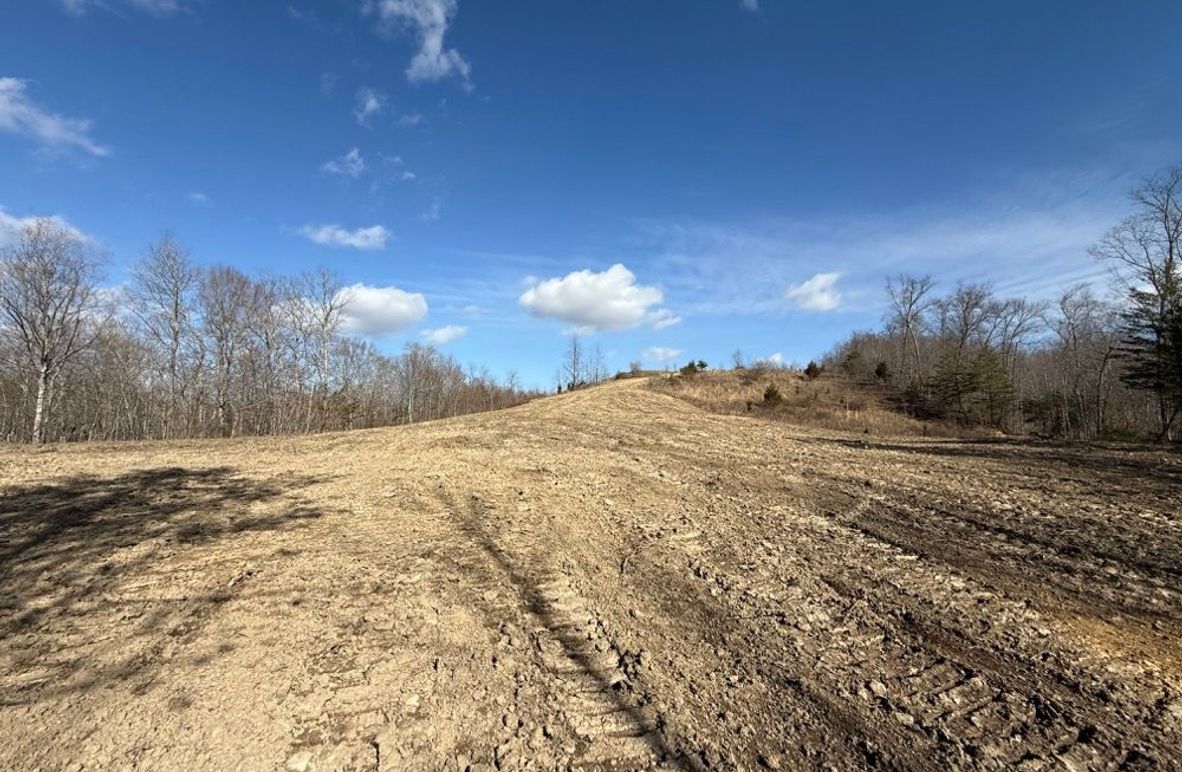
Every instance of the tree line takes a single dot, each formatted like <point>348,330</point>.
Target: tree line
<point>1083,366</point>
<point>184,351</point>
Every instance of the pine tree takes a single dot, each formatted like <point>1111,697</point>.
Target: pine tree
<point>1151,348</point>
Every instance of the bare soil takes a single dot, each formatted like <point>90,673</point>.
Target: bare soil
<point>610,579</point>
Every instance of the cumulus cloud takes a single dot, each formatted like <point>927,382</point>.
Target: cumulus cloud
<point>11,227</point>
<point>198,199</point>
<point>442,335</point>
<point>351,164</point>
<point>21,115</point>
<point>369,104</point>
<point>428,20</point>
<point>772,360</point>
<point>380,310</point>
<point>816,294</point>
<point>595,302</point>
<point>661,354</point>
<point>373,237</point>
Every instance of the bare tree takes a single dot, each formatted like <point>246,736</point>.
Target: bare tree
<point>964,316</point>
<point>596,368</point>
<point>47,283</point>
<point>162,297</point>
<point>572,366</point>
<point>909,303</point>
<point>227,297</point>
<point>1086,328</point>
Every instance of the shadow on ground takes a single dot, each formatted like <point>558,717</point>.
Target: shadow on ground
<point>88,566</point>
<point>1100,462</point>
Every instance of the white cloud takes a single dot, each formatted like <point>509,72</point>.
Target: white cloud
<point>369,104</point>
<point>351,164</point>
<point>12,226</point>
<point>411,119</point>
<point>373,237</point>
<point>429,20</point>
<point>772,360</point>
<point>442,335</point>
<point>380,310</point>
<point>750,5</point>
<point>198,199</point>
<point>20,115</point>
<point>408,176</point>
<point>818,293</point>
<point>661,355</point>
<point>608,300</point>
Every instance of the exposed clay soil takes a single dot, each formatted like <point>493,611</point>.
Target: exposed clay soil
<point>610,579</point>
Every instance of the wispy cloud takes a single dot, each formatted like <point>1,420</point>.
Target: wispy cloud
<point>661,355</point>
<point>154,7</point>
<point>433,212</point>
<point>749,5</point>
<point>21,115</point>
<point>369,104</point>
<point>351,164</point>
<point>371,238</point>
<point>443,335</point>
<point>1030,238</point>
<point>198,199</point>
<point>428,20</point>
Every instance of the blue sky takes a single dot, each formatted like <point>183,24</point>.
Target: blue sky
<point>755,168</point>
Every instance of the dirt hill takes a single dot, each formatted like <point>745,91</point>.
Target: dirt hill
<point>609,579</point>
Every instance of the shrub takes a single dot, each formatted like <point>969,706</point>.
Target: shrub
<point>882,371</point>
<point>813,371</point>
<point>771,395</point>
<point>757,371</point>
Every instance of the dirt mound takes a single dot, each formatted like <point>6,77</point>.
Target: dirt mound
<point>609,579</point>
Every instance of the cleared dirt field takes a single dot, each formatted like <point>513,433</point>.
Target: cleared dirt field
<point>610,579</point>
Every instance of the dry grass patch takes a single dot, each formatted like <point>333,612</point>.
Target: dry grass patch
<point>828,402</point>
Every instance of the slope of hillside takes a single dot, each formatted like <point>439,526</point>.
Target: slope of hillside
<point>828,402</point>
<point>609,579</point>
